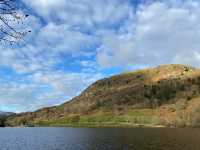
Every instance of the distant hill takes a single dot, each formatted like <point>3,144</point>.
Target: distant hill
<point>166,95</point>
<point>2,113</point>
<point>3,116</point>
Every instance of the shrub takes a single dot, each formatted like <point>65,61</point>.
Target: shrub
<point>189,98</point>
<point>74,119</point>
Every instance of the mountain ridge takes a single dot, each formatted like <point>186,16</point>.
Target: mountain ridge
<point>3,113</point>
<point>150,89</point>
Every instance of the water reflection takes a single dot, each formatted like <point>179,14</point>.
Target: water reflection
<point>99,139</point>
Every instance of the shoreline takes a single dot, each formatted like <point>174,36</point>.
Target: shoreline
<point>106,125</point>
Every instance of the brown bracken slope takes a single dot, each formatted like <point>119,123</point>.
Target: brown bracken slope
<point>153,88</point>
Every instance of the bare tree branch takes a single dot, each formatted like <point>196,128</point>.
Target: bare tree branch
<point>10,19</point>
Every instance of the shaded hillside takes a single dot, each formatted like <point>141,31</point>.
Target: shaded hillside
<point>2,113</point>
<point>150,89</point>
<point>3,116</point>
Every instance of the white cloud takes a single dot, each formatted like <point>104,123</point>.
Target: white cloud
<point>46,7</point>
<point>161,33</point>
<point>60,38</point>
<point>115,46</point>
<point>43,89</point>
<point>44,48</point>
<point>76,31</point>
<point>83,14</point>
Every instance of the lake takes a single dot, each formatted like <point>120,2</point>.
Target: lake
<point>99,139</point>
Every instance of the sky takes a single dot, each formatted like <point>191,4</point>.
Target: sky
<point>73,43</point>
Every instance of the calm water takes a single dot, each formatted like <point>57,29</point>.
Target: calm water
<point>98,139</point>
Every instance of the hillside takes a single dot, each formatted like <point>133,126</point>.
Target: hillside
<point>165,95</point>
<point>2,113</point>
<point>3,116</point>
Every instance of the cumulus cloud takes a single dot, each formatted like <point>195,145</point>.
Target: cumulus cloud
<point>46,7</point>
<point>84,14</point>
<point>43,89</point>
<point>60,38</point>
<point>73,41</point>
<point>162,32</point>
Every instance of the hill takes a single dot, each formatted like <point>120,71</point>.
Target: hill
<point>3,116</point>
<point>166,95</point>
<point>2,113</point>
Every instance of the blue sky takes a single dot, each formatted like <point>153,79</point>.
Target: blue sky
<point>76,42</point>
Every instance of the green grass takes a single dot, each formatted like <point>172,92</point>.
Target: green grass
<point>132,118</point>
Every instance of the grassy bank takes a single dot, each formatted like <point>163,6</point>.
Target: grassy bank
<point>131,119</point>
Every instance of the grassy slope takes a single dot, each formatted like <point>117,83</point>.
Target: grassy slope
<point>167,95</point>
<point>184,113</point>
<point>146,117</point>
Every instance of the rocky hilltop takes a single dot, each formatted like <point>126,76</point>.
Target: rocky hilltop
<point>166,95</point>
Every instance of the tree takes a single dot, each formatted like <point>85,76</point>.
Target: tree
<point>2,121</point>
<point>10,19</point>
